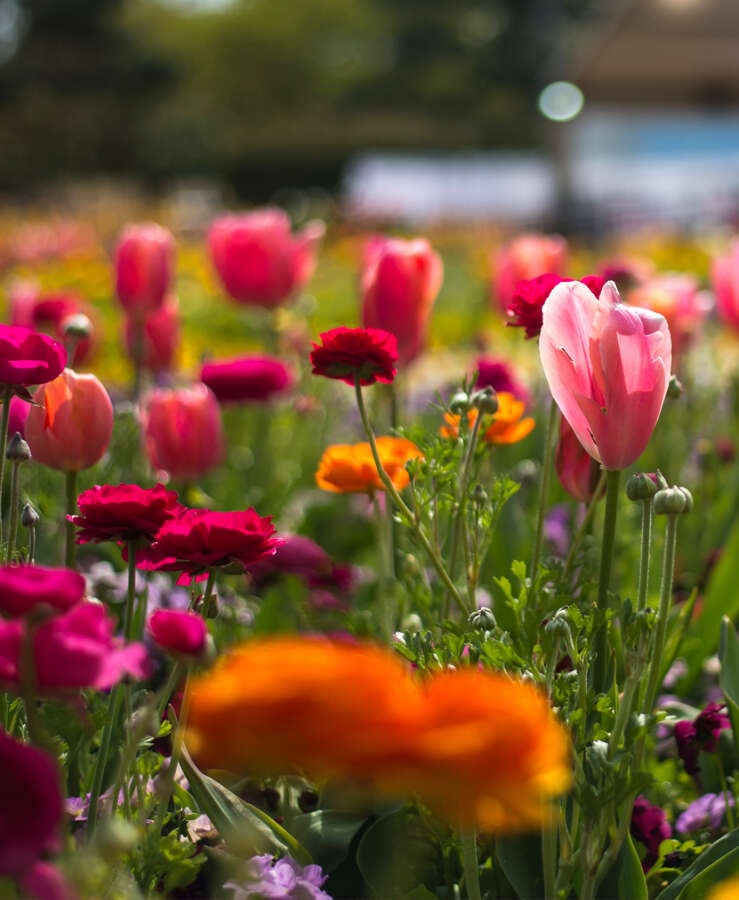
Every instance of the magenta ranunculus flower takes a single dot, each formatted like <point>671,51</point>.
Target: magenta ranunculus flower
<point>201,539</point>
<point>27,357</point>
<point>144,267</point>
<point>123,512</point>
<point>178,631</point>
<point>257,258</point>
<point>345,353</point>
<point>77,649</point>
<point>183,431</point>
<point>530,294</point>
<point>650,827</point>
<point>700,735</point>
<point>247,378</point>
<point>608,368</point>
<point>498,373</point>
<point>31,805</point>
<point>24,588</point>
<point>400,280</point>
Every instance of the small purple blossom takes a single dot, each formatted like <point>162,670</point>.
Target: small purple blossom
<point>283,879</point>
<point>706,812</point>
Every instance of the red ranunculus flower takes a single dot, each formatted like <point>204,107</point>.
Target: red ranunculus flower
<point>178,631</point>
<point>701,734</point>
<point>344,353</point>
<point>31,805</point>
<point>201,539</point>
<point>24,588</point>
<point>124,512</point>
<point>248,378</point>
<point>27,357</point>
<point>524,309</point>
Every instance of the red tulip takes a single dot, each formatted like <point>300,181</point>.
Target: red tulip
<point>400,280</point>
<point>160,333</point>
<point>577,471</point>
<point>257,258</point>
<point>608,367</point>
<point>527,256</point>
<point>71,427</point>
<point>144,267</point>
<point>183,431</point>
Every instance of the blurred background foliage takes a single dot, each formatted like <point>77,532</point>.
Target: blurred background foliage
<point>264,93</point>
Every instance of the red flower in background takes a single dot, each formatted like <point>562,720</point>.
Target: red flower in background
<point>27,357</point>
<point>499,374</point>
<point>576,469</point>
<point>257,258</point>
<point>248,378</point>
<point>345,353</point>
<point>144,267</point>
<point>24,588</point>
<point>529,296</point>
<point>49,313</point>
<point>178,631</point>
<point>124,512</point>
<point>160,334</point>
<point>650,827</point>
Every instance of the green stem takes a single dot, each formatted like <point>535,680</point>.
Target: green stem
<point>549,854</point>
<point>14,504</point>
<point>461,504</point>
<point>129,616</point>
<point>70,555</point>
<point>470,867</point>
<point>101,762</point>
<point>646,542</point>
<point>613,478</point>
<point>403,507</point>
<point>584,526</point>
<point>546,474</point>
<point>7,397</point>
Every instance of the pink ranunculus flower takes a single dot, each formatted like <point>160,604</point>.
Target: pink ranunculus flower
<point>27,357</point>
<point>70,425</point>
<point>178,631</point>
<point>725,279</point>
<point>400,281</point>
<point>258,260</point>
<point>608,368</point>
<point>183,431</point>
<point>31,805</point>
<point>74,650</point>
<point>526,256</point>
<point>144,267</point>
<point>25,588</point>
<point>247,379</point>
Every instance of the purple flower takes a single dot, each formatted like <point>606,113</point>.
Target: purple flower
<point>557,529</point>
<point>701,734</point>
<point>650,827</point>
<point>705,812</point>
<point>284,879</point>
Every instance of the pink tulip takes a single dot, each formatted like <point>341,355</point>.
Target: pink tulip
<point>577,471</point>
<point>725,278</point>
<point>183,431</point>
<point>677,298</point>
<point>526,256</point>
<point>257,258</point>
<point>144,267</point>
<point>608,367</point>
<point>70,425</point>
<point>400,280</point>
<point>161,335</point>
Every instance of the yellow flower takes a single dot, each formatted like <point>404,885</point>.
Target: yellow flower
<point>350,468</point>
<point>478,748</point>
<point>727,890</point>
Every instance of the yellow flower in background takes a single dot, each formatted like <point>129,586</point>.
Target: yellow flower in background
<point>727,890</point>
<point>350,468</point>
<point>507,424</point>
<point>477,747</point>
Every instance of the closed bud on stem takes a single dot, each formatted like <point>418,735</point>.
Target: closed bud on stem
<point>673,501</point>
<point>17,449</point>
<point>559,626</point>
<point>77,326</point>
<point>459,403</point>
<point>29,516</point>
<point>482,618</point>
<point>644,485</point>
<point>485,400</point>
<point>479,495</point>
<point>675,389</point>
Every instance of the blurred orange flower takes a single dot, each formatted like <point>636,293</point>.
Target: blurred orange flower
<point>478,748</point>
<point>507,426</point>
<point>727,890</point>
<point>350,468</point>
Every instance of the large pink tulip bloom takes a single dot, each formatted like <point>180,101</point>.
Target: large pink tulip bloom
<point>608,367</point>
<point>725,278</point>
<point>400,280</point>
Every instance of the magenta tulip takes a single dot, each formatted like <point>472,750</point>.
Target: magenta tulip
<point>608,367</point>
<point>258,260</point>
<point>400,281</point>
<point>144,267</point>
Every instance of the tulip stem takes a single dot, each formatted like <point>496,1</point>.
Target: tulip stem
<point>613,481</point>
<point>470,866</point>
<point>7,397</point>
<point>546,473</point>
<point>70,555</point>
<point>584,525</point>
<point>129,613</point>
<point>646,541</point>
<point>14,503</point>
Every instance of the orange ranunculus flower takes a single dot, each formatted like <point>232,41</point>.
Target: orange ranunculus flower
<point>477,747</point>
<point>726,890</point>
<point>506,427</point>
<point>350,468</point>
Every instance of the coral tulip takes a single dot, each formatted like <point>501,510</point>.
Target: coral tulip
<point>608,368</point>
<point>400,280</point>
<point>144,267</point>
<point>71,427</point>
<point>257,258</point>
<point>183,431</point>
<point>526,256</point>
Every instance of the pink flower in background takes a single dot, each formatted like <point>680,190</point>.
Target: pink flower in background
<point>257,258</point>
<point>247,379</point>
<point>608,367</point>
<point>49,313</point>
<point>526,256</point>
<point>160,333</point>
<point>31,805</point>
<point>700,735</point>
<point>678,299</point>
<point>19,410</point>
<point>576,469</point>
<point>25,588</point>
<point>27,357</point>
<point>123,512</point>
<point>144,267</point>
<point>178,631</point>
<point>498,373</point>
<point>70,425</point>
<point>74,650</point>
<point>400,281</point>
<point>725,279</point>
<point>183,431</point>
<point>529,297</point>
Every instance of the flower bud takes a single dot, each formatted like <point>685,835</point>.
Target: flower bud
<point>559,626</point>
<point>77,326</point>
<point>482,618</point>
<point>644,485</point>
<point>675,389</point>
<point>485,400</point>
<point>673,501</point>
<point>459,403</point>
<point>479,495</point>
<point>17,449</point>
<point>29,516</point>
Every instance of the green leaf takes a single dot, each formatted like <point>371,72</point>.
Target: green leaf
<point>520,860</point>
<point>248,829</point>
<point>626,878</point>
<point>699,887</point>
<point>729,678</point>
<point>326,834</point>
<point>725,847</point>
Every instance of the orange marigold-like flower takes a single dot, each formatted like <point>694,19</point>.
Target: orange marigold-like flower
<point>350,468</point>
<point>478,748</point>
<point>507,426</point>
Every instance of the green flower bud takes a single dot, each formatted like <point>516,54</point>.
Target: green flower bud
<point>17,449</point>
<point>29,516</point>
<point>644,485</point>
<point>77,326</point>
<point>674,388</point>
<point>479,495</point>
<point>459,403</point>
<point>486,400</point>
<point>482,618</point>
<point>673,501</point>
